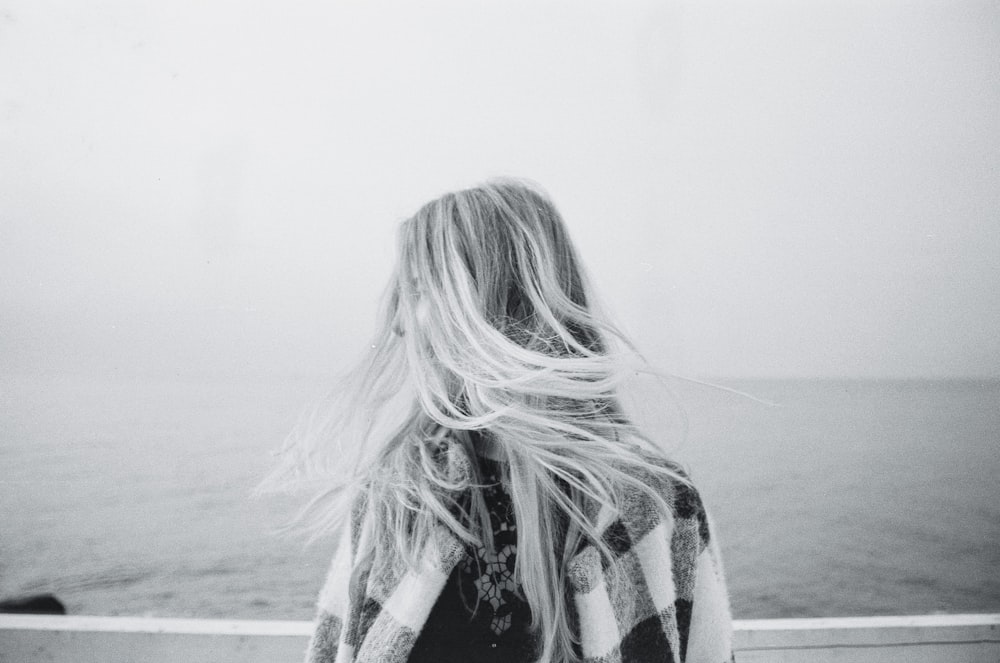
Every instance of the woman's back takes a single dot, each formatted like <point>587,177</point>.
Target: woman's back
<point>660,596</point>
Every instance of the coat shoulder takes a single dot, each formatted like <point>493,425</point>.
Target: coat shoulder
<point>662,515</point>
<point>665,496</point>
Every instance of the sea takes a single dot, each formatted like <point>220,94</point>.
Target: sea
<point>131,495</point>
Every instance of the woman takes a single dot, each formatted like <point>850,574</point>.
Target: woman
<point>496,502</point>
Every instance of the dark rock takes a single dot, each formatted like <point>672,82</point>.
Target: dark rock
<point>39,604</point>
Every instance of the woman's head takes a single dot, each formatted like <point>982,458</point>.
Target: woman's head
<point>487,286</point>
<point>495,255</point>
<point>499,252</point>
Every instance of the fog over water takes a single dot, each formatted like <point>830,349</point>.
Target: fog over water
<point>774,189</point>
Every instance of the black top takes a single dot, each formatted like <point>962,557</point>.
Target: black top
<point>481,615</point>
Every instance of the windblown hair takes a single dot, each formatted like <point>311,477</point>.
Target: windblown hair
<point>487,334</point>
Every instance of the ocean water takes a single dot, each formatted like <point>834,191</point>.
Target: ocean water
<point>130,496</point>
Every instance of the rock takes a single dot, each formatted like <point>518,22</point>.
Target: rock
<point>39,604</point>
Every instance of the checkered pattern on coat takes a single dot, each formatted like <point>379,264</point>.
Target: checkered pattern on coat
<point>664,600</point>
<point>665,597</point>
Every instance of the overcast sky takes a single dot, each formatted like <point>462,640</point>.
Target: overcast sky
<point>767,189</point>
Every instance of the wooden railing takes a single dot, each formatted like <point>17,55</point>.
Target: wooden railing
<point>920,639</point>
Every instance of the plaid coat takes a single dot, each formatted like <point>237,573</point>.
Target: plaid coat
<point>664,601</point>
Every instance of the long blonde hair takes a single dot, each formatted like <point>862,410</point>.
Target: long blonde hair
<point>487,325</point>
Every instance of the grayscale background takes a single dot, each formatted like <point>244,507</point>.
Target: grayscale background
<point>797,200</point>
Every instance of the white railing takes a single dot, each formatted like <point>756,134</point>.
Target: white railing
<point>57,639</point>
<point>918,639</point>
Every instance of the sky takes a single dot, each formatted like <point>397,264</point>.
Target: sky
<point>759,190</point>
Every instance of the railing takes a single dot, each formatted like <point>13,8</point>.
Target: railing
<point>52,639</point>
